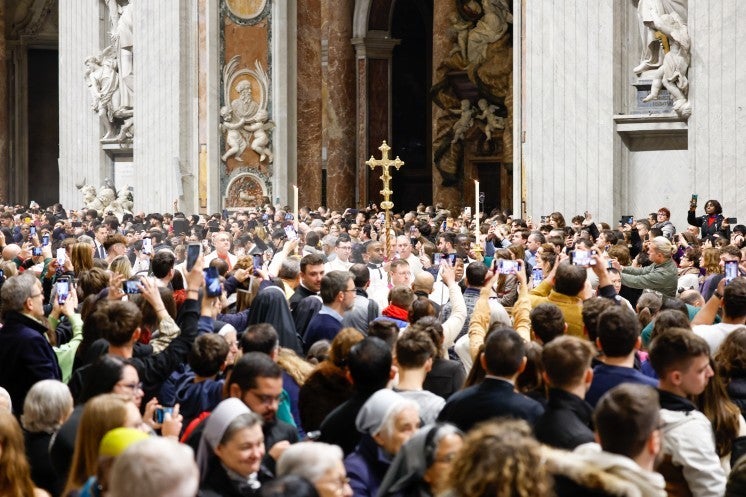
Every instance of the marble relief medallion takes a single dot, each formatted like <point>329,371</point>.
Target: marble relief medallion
<point>246,9</point>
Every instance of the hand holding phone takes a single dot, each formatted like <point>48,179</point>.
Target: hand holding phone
<point>193,251</point>
<point>693,202</point>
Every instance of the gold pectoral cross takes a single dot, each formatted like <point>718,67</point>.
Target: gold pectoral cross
<point>385,163</point>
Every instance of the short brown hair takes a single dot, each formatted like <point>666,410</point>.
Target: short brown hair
<point>566,359</point>
<point>119,319</point>
<point>674,349</point>
<point>592,310</point>
<point>208,354</point>
<point>625,417</point>
<point>413,348</point>
<point>401,296</point>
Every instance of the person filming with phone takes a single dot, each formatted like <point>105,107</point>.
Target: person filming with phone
<point>660,276</point>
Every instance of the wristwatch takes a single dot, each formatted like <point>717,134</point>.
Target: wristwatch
<point>717,294</point>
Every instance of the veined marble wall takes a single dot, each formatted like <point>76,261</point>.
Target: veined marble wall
<point>568,143</point>
<point>717,128</point>
<point>4,138</point>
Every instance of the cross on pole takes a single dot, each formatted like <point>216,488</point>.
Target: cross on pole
<point>385,163</point>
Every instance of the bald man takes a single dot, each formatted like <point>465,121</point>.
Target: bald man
<point>423,287</point>
<point>11,251</point>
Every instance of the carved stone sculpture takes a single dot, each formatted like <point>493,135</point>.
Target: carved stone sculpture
<point>246,121</point>
<point>106,199</point>
<point>465,122</point>
<point>110,79</point>
<point>489,115</point>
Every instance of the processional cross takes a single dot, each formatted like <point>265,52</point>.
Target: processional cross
<point>387,204</point>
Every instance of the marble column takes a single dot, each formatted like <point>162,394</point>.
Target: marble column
<point>373,65</point>
<point>339,104</point>
<point>165,107</point>
<point>443,10</point>
<point>4,138</point>
<point>83,27</point>
<point>309,102</point>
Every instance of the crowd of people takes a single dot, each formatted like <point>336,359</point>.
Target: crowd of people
<point>258,352</point>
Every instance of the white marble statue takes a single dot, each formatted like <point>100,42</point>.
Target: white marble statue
<point>673,70</point>
<point>489,115</point>
<point>102,84</point>
<point>465,122</point>
<point>652,49</point>
<point>244,106</point>
<point>490,28</point>
<point>106,199</point>
<point>120,14</point>
<point>259,125</point>
<point>234,138</point>
<point>459,31</point>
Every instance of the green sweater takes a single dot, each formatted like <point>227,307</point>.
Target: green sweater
<point>659,277</point>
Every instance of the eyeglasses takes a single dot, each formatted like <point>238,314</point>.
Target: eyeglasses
<point>349,290</point>
<point>35,295</point>
<point>135,387</point>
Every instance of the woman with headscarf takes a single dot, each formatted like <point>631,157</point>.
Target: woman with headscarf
<point>422,466</point>
<point>386,420</point>
<point>230,452</point>
<point>270,306</point>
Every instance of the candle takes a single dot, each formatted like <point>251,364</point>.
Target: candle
<point>476,211</point>
<point>295,206</point>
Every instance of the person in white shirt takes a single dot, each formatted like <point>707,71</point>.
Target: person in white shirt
<point>342,250</point>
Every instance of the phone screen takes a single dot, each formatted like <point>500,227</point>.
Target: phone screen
<point>212,282</point>
<point>436,258</point>
<point>731,271</point>
<point>45,240</point>
<point>36,251</point>
<point>291,233</point>
<point>61,257</point>
<point>63,290</point>
<point>130,287</point>
<point>193,250</point>
<point>258,261</point>
<point>147,246</point>
<point>538,275</point>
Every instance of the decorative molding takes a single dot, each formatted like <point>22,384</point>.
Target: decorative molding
<point>376,45</point>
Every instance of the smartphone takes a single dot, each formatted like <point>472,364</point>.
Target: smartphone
<point>258,261</point>
<point>505,266</point>
<point>467,211</point>
<point>36,251</point>
<point>147,246</point>
<point>130,287</point>
<point>452,259</point>
<point>290,232</point>
<point>288,217</point>
<point>437,258</point>
<point>609,264</point>
<point>45,240</point>
<point>2,275</point>
<point>193,251</point>
<point>544,219</point>
<point>32,230</point>
<point>731,271</point>
<point>627,220</point>
<point>61,257</point>
<point>62,286</point>
<point>212,282</point>
<point>693,202</point>
<point>537,275</point>
<point>732,220</point>
<point>160,413</point>
<point>581,257</point>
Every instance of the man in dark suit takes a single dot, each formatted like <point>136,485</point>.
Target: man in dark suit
<point>504,359</point>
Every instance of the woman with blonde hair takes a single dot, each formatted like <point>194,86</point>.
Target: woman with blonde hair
<point>15,474</point>
<point>81,257</point>
<point>121,265</point>
<point>100,415</point>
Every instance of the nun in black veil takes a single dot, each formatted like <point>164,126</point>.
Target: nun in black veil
<point>270,306</point>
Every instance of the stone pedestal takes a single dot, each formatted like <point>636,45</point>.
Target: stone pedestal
<point>309,103</point>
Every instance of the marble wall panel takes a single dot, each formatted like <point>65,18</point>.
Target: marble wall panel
<point>569,87</point>
<point>309,102</point>
<point>251,43</point>
<point>81,33</point>
<point>362,131</point>
<point>339,108</point>
<point>4,138</point>
<point>378,120</point>
<point>717,127</point>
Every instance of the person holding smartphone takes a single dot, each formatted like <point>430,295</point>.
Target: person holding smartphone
<point>712,222</point>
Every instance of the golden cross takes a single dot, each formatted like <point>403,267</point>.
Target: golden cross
<point>387,204</point>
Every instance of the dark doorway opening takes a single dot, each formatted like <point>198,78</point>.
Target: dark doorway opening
<point>43,126</point>
<point>412,23</point>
